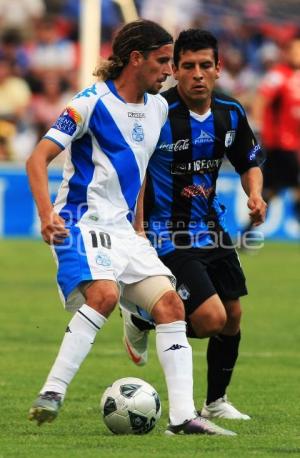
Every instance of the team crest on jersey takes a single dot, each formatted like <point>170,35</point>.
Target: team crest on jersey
<point>183,292</point>
<point>68,120</point>
<point>137,132</point>
<point>229,138</point>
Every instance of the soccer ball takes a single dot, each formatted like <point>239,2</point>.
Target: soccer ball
<point>130,406</point>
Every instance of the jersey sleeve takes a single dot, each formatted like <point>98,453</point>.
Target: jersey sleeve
<point>164,109</point>
<point>72,122</point>
<point>245,152</point>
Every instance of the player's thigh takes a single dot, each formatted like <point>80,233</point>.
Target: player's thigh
<point>203,306</point>
<point>86,255</point>
<point>148,292</point>
<point>209,318</point>
<point>143,262</point>
<point>192,280</point>
<point>101,295</point>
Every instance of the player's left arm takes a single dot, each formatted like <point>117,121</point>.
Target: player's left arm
<point>246,156</point>
<point>252,182</point>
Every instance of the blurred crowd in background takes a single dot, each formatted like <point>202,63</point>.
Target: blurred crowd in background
<point>40,54</point>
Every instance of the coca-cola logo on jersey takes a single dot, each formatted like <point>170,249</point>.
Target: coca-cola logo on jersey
<point>180,145</point>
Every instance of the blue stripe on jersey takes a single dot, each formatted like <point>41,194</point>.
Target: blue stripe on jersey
<point>227,102</point>
<point>76,201</point>
<point>234,119</point>
<point>174,105</point>
<point>73,267</point>
<point>221,212</point>
<point>202,148</point>
<point>120,154</point>
<point>160,163</point>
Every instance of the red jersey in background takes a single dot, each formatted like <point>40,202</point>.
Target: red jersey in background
<point>281,119</point>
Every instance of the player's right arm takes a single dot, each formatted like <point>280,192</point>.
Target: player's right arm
<point>52,225</point>
<point>70,125</point>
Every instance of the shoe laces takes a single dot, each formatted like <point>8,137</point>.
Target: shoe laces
<point>51,396</point>
<point>224,399</point>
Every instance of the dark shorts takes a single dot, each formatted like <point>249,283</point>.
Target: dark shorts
<point>202,272</point>
<point>281,170</point>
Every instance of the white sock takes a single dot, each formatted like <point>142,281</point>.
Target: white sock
<point>77,342</point>
<point>175,356</point>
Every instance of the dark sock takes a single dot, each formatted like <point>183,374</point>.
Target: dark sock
<point>222,353</point>
<point>142,325</point>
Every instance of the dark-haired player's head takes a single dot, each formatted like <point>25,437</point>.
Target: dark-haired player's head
<point>195,40</point>
<point>196,67</point>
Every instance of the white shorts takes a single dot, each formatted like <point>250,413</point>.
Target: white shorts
<point>89,254</point>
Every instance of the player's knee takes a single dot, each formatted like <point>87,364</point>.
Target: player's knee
<point>208,323</point>
<point>234,317</point>
<point>169,308</point>
<point>103,300</point>
<point>217,323</point>
<point>234,312</point>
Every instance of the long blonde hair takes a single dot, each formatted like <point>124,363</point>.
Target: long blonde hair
<point>141,35</point>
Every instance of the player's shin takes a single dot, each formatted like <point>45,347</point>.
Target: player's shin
<point>175,356</point>
<point>77,342</point>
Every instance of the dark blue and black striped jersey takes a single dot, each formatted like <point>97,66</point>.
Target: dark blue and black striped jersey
<point>181,206</point>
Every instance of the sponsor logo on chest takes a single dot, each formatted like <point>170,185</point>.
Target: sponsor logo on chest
<point>204,137</point>
<point>136,115</point>
<point>197,166</point>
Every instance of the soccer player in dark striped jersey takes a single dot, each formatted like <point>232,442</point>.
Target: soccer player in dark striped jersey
<point>185,221</point>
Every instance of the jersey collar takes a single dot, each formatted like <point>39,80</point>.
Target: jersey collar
<point>111,85</point>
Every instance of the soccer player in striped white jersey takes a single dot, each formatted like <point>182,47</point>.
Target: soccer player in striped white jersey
<point>110,131</point>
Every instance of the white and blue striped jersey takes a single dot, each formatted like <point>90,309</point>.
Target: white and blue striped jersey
<point>109,143</point>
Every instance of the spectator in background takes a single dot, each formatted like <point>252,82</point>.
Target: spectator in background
<point>111,19</point>
<point>15,98</point>
<point>237,79</point>
<point>268,54</point>
<point>174,15</point>
<point>47,105</point>
<point>50,51</point>
<point>7,131</point>
<point>276,111</point>
<point>20,14</point>
<point>12,48</point>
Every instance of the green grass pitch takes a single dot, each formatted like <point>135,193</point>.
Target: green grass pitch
<point>266,382</point>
